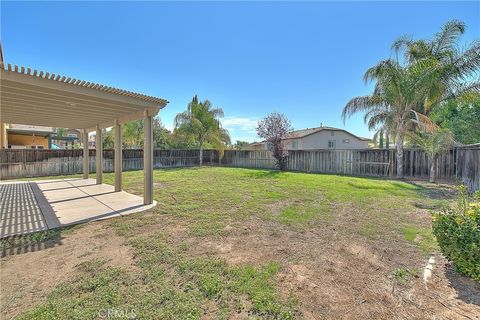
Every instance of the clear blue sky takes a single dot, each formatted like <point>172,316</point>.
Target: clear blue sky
<point>250,58</point>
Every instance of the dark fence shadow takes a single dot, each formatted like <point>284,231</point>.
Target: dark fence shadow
<point>439,191</point>
<point>467,289</point>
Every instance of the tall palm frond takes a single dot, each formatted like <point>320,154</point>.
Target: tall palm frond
<point>448,37</point>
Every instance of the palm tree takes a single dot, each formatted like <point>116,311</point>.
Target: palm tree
<point>202,121</point>
<point>433,143</point>
<point>458,69</point>
<point>398,91</point>
<point>432,72</point>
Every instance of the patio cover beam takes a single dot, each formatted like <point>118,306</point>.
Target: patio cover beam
<point>41,98</point>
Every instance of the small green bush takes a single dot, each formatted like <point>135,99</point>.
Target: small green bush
<point>458,234</point>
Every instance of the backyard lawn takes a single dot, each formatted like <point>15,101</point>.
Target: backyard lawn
<point>227,243</point>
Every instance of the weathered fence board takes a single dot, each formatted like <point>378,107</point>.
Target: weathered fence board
<point>39,163</point>
<point>461,164</point>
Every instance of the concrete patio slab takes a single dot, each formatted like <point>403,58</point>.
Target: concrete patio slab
<point>41,205</point>
<point>61,194</point>
<point>98,189</point>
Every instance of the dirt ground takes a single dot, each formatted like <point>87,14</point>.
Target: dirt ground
<point>26,276</point>
<point>336,278</point>
<point>334,268</point>
<point>333,276</point>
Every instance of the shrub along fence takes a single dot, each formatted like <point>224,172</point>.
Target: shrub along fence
<point>461,163</point>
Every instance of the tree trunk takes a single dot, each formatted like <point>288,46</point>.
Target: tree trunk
<point>381,140</point>
<point>201,154</point>
<point>433,169</point>
<point>399,145</point>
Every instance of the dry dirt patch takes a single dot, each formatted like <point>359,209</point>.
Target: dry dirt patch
<point>27,278</point>
<point>336,276</point>
<point>332,275</point>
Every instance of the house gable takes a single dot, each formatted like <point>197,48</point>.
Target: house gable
<point>327,139</point>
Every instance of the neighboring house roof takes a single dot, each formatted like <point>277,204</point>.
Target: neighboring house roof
<point>64,138</point>
<point>309,131</point>
<point>29,132</point>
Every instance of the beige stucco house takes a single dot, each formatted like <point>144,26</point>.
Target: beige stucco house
<point>20,136</point>
<point>318,138</point>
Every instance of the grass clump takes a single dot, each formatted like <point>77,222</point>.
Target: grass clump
<point>95,289</point>
<point>209,281</point>
<point>404,275</point>
<point>171,284</point>
<point>422,237</point>
<point>305,213</point>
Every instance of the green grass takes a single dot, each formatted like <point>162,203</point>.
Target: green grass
<point>172,285</point>
<point>404,275</point>
<point>422,237</point>
<point>175,283</point>
<point>211,198</point>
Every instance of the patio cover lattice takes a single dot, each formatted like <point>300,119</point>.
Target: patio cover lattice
<point>28,96</point>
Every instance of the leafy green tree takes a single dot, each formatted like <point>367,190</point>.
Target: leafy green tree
<point>61,132</point>
<point>201,121</point>
<point>433,143</point>
<point>161,137</point>
<point>380,140</point>
<point>239,144</point>
<point>108,139</point>
<point>179,139</point>
<point>462,117</point>
<point>132,134</point>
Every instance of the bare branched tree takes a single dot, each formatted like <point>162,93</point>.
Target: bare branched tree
<point>272,129</point>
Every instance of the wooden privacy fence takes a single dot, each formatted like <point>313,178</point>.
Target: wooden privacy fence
<point>462,164</point>
<point>39,163</point>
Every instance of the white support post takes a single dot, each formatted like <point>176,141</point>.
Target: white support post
<point>3,136</point>
<point>147,159</point>
<point>86,167</point>
<point>118,156</point>
<point>98,155</point>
